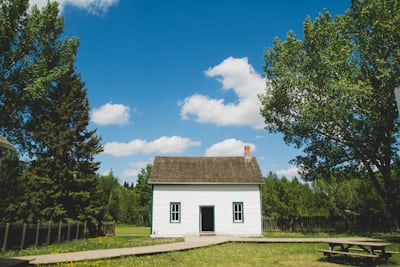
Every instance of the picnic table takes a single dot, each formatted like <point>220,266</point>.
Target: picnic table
<point>371,250</point>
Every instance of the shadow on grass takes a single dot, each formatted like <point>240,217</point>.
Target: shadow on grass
<point>391,239</point>
<point>354,261</point>
<point>13,263</point>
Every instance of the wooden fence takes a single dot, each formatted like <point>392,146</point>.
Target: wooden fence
<point>108,228</point>
<point>20,236</point>
<point>327,224</point>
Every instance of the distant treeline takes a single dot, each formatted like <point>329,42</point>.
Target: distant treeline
<point>339,196</point>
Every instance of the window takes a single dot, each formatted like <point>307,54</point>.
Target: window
<point>238,216</point>
<point>175,212</point>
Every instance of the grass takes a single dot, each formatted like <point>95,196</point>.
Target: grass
<point>238,254</point>
<point>301,235</point>
<point>229,254</point>
<point>126,236</point>
<point>128,230</point>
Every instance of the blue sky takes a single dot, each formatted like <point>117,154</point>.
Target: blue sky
<point>181,77</point>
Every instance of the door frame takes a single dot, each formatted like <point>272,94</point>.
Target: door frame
<point>201,217</point>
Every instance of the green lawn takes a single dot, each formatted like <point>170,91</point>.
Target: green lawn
<point>126,236</point>
<point>301,235</point>
<point>127,230</point>
<point>230,254</point>
<point>239,254</point>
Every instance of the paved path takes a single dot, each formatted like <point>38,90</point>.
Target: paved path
<point>189,243</point>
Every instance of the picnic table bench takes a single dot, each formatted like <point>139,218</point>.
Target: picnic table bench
<point>371,250</point>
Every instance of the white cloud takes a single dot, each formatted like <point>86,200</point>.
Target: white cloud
<point>164,144</point>
<point>234,74</point>
<point>290,172</point>
<point>92,6</point>
<point>228,147</point>
<point>130,173</point>
<point>133,170</point>
<point>110,114</point>
<point>106,172</point>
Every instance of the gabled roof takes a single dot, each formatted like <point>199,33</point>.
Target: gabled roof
<point>4,143</point>
<point>205,170</point>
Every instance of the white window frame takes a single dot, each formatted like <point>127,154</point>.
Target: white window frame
<point>238,212</point>
<point>175,212</point>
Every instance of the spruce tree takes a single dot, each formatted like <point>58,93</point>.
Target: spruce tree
<point>62,177</point>
<point>10,172</point>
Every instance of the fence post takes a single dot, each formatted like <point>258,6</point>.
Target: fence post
<point>5,236</point>
<point>37,234</point>
<point>48,234</point>
<point>77,231</point>
<point>23,236</point>
<point>84,229</point>
<point>69,231</point>
<point>59,232</point>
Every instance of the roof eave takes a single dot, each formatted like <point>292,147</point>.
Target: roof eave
<point>7,146</point>
<point>205,183</point>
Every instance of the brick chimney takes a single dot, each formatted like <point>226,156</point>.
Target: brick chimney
<point>247,151</point>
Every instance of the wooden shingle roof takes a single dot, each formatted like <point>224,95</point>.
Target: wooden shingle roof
<point>205,170</point>
<point>4,143</point>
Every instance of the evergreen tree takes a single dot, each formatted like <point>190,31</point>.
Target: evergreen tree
<point>62,179</point>
<point>10,173</point>
<point>44,110</point>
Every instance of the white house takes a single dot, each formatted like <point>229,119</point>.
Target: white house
<point>206,196</point>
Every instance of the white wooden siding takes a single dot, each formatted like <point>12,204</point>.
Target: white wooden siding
<point>191,197</point>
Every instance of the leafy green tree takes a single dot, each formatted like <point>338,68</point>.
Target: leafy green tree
<point>340,190</point>
<point>284,198</point>
<point>143,191</point>
<point>367,203</point>
<point>107,197</point>
<point>332,95</point>
<point>274,197</point>
<point>127,212</point>
<point>32,56</point>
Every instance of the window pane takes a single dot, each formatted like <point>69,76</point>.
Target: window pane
<point>238,212</point>
<point>175,212</point>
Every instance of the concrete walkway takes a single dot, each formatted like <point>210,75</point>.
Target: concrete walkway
<point>189,243</point>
